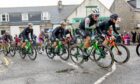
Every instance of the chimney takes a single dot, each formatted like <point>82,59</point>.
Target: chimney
<point>60,6</point>
<point>137,3</point>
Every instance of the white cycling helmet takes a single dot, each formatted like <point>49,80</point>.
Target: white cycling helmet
<point>95,11</point>
<point>63,23</point>
<point>30,24</point>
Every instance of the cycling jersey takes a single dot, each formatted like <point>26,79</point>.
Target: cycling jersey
<point>26,33</point>
<point>59,33</point>
<point>87,22</point>
<point>85,26</point>
<point>41,38</point>
<point>7,38</point>
<point>104,27</point>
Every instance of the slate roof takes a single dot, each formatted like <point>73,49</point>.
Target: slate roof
<point>132,3</point>
<point>56,14</point>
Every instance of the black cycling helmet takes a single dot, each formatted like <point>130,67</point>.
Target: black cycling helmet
<point>114,16</point>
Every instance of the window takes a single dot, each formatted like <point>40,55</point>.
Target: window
<point>15,17</point>
<point>45,16</point>
<point>24,16</point>
<point>4,17</point>
<point>3,31</point>
<point>34,16</point>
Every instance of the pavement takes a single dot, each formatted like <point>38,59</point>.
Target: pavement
<point>46,71</point>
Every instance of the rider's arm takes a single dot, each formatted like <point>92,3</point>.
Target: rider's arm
<point>32,34</point>
<point>87,21</point>
<point>114,29</point>
<point>98,30</point>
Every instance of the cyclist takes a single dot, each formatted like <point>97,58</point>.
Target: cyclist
<point>17,40</point>
<point>41,39</point>
<point>59,33</point>
<point>108,25</point>
<point>7,39</point>
<point>85,29</point>
<point>27,34</point>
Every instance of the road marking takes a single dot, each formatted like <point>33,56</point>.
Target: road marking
<point>99,81</point>
<point>71,64</point>
<point>6,61</point>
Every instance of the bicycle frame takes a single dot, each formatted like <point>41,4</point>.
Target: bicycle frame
<point>111,42</point>
<point>59,45</point>
<point>95,45</point>
<point>28,44</point>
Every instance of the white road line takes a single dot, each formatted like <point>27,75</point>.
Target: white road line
<point>6,61</point>
<point>99,81</point>
<point>71,64</point>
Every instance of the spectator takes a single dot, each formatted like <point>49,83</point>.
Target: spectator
<point>17,40</point>
<point>122,37</point>
<point>134,34</point>
<point>138,37</point>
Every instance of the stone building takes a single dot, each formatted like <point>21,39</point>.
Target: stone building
<point>129,11</point>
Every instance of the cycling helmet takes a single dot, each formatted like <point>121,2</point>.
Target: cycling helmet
<point>114,16</point>
<point>30,24</point>
<point>63,23</point>
<point>95,11</point>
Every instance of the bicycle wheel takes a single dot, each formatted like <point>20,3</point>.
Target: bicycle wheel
<point>33,54</point>
<point>121,56</point>
<point>76,55</point>
<point>91,57</point>
<point>64,53</point>
<point>49,51</point>
<point>12,51</point>
<point>39,49</point>
<point>103,57</point>
<point>138,50</point>
<point>22,53</point>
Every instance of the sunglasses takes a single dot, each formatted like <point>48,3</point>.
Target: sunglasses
<point>96,15</point>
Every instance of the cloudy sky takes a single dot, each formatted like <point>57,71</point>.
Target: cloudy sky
<point>22,3</point>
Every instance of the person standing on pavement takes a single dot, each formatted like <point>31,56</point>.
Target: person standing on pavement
<point>138,37</point>
<point>134,34</point>
<point>17,40</point>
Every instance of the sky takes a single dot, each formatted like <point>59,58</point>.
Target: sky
<point>24,3</point>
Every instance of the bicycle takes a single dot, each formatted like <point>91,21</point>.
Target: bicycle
<point>41,49</point>
<point>120,51</point>
<point>28,50</point>
<point>62,50</point>
<point>97,50</point>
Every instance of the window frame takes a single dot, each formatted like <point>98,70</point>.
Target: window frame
<point>45,16</point>
<point>24,16</point>
<point>6,17</point>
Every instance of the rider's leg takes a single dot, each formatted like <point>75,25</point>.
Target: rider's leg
<point>23,44</point>
<point>87,42</point>
<point>105,42</point>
